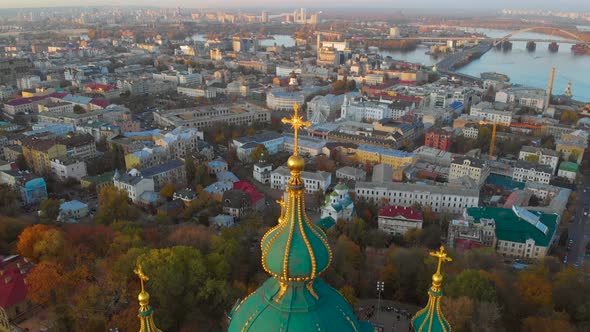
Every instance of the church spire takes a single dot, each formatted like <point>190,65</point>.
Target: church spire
<point>145,314</point>
<point>431,318</point>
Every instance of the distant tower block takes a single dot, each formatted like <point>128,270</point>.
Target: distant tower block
<point>568,89</point>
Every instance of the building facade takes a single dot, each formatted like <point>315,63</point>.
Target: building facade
<point>398,220</point>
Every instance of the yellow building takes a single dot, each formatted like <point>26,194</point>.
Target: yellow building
<point>39,152</point>
<point>377,155</point>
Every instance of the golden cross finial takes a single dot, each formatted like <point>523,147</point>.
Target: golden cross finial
<point>442,257</point>
<point>296,122</point>
<point>142,277</point>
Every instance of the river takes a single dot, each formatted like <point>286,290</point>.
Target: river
<point>523,67</point>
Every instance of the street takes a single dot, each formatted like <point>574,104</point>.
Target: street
<point>579,230</point>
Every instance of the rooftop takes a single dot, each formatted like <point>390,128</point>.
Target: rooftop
<point>395,211</point>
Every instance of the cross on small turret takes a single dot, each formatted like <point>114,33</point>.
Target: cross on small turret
<point>442,257</point>
<point>142,277</point>
<point>296,123</point>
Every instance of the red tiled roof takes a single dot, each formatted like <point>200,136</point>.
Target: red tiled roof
<point>59,95</point>
<point>100,103</point>
<point>98,86</point>
<point>12,281</point>
<point>22,101</point>
<point>249,189</point>
<point>394,211</point>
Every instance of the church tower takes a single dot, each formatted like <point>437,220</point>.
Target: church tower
<point>295,253</point>
<point>146,313</point>
<point>431,318</point>
<point>568,89</point>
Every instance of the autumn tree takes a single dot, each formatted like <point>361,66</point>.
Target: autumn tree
<point>113,205</point>
<point>49,209</point>
<point>547,324</point>
<point>474,285</point>
<point>568,117</point>
<point>45,282</point>
<point>260,153</point>
<point>79,109</point>
<point>458,311</point>
<point>40,242</point>
<point>167,191</point>
<point>8,200</point>
<point>534,290</point>
<point>190,169</point>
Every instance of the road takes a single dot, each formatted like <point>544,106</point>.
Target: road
<point>579,230</point>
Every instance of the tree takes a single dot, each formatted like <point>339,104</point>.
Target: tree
<point>533,158</point>
<point>348,293</point>
<point>21,162</point>
<point>79,109</point>
<point>113,205</point>
<point>458,311</point>
<point>167,191</point>
<point>40,242</point>
<point>49,209</point>
<point>546,324</point>
<point>568,117</point>
<point>8,200</point>
<point>44,282</point>
<point>473,284</point>
<point>259,153</point>
<point>573,157</point>
<point>534,290</point>
<point>190,169</point>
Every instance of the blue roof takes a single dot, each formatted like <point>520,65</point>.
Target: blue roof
<point>77,99</point>
<point>387,152</point>
<point>219,187</point>
<point>456,105</point>
<point>72,206</point>
<point>154,132</point>
<point>216,163</point>
<point>227,176</point>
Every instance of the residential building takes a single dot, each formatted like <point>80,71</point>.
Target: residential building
<point>257,201</point>
<point>262,172</point>
<point>351,173</point>
<point>186,195</point>
<point>79,146</point>
<point>572,145</point>
<point>377,155</point>
<point>520,233</point>
<point>398,220</point>
<point>14,68</point>
<point>217,166</point>
<point>476,169</point>
<point>568,170</point>
<point>146,157</point>
<point>39,152</point>
<point>440,139</point>
<point>30,188</point>
<point>56,108</point>
<point>313,181</point>
<point>441,198</point>
<point>338,204</point>
<point>180,141</point>
<point>540,155</point>
<point>464,235</point>
<point>307,145</point>
<point>382,173</point>
<point>171,171</point>
<point>72,210</point>
<point>503,118</point>
<point>209,116</point>
<point>65,168</point>
<point>97,181</point>
<point>14,300</point>
<point>326,108</point>
<point>236,203</point>
<point>524,171</point>
<point>197,90</point>
<point>471,130</point>
<point>134,184</point>
<point>273,142</point>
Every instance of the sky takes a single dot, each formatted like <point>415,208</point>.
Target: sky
<point>569,5</point>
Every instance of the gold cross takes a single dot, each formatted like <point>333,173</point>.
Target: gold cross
<point>442,257</point>
<point>296,122</point>
<point>142,277</point>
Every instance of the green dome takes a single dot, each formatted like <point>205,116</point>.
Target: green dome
<point>295,249</point>
<point>296,310</point>
<point>431,318</point>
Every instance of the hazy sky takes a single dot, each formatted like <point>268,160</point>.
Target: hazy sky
<point>572,5</point>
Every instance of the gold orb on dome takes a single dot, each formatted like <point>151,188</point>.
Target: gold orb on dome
<point>143,297</point>
<point>296,163</point>
<point>437,278</point>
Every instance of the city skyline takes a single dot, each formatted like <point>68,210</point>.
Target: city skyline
<point>562,5</point>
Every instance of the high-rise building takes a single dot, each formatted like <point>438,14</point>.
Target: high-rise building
<point>295,253</point>
<point>264,17</point>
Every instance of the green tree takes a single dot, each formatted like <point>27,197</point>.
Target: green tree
<point>113,205</point>
<point>79,109</point>
<point>260,153</point>
<point>190,169</point>
<point>49,209</point>
<point>568,117</point>
<point>8,200</point>
<point>473,284</point>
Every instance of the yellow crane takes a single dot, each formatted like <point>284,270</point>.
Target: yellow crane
<point>493,142</point>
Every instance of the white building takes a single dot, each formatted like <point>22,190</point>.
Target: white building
<point>471,130</point>
<point>284,101</point>
<point>441,198</point>
<point>486,112</point>
<point>541,155</point>
<point>476,169</point>
<point>196,91</point>
<point>180,141</point>
<point>72,210</point>
<point>68,168</point>
<point>313,181</point>
<point>525,171</point>
<point>568,170</point>
<point>338,204</point>
<point>324,108</point>
<point>134,185</point>
<point>351,173</point>
<point>398,220</point>
<point>262,172</point>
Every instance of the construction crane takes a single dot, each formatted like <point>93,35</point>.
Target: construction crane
<point>531,127</point>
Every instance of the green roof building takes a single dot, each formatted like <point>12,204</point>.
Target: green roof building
<point>295,253</point>
<point>519,232</point>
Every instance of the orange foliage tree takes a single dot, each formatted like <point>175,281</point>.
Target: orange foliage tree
<point>40,242</point>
